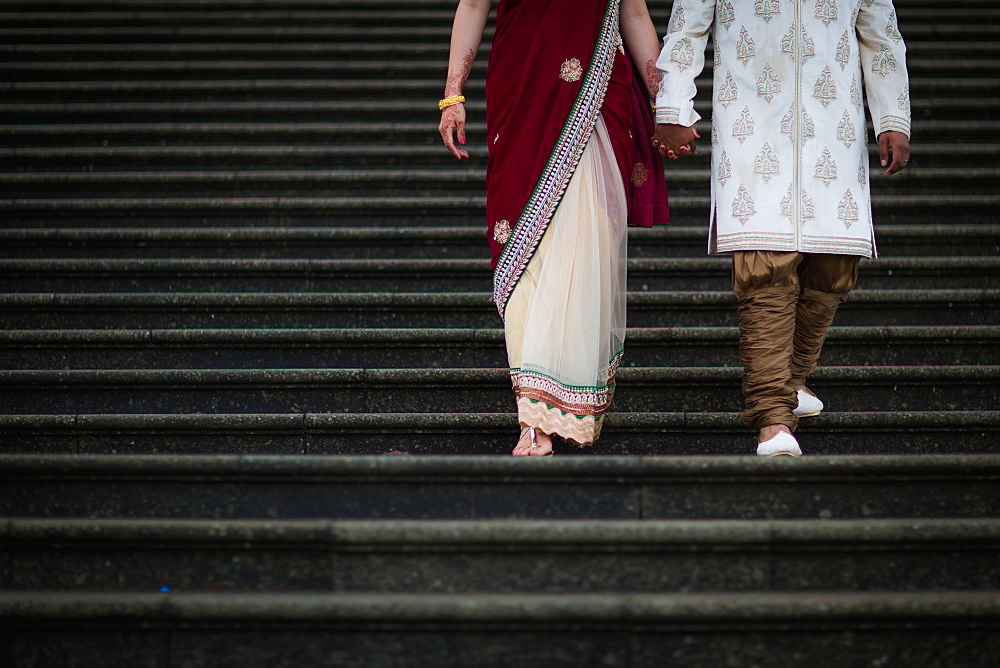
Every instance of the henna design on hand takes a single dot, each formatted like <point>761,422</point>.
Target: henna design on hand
<point>653,78</point>
<point>456,81</point>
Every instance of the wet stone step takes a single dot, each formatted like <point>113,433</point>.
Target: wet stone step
<point>865,307</point>
<point>80,159</point>
<point>395,434</point>
<point>955,107</point>
<point>500,556</point>
<point>428,243</point>
<point>477,629</point>
<point>415,182</point>
<point>301,88</point>
<point>450,348</point>
<point>407,133</point>
<point>427,211</point>
<point>844,388</point>
<point>592,488</point>
<point>645,274</point>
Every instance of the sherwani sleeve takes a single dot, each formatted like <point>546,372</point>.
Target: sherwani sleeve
<point>883,63</point>
<point>682,59</point>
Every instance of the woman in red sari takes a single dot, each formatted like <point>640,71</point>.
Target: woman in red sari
<point>570,166</point>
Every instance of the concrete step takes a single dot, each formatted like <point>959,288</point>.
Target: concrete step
<point>415,182</point>
<point>433,242</point>
<point>255,155</point>
<point>312,348</point>
<point>357,390</point>
<point>438,275</point>
<point>67,310</point>
<point>944,628</point>
<point>626,434</point>
<point>302,88</point>
<point>499,556</point>
<point>297,487</point>
<point>407,133</point>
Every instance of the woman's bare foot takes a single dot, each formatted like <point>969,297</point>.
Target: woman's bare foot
<point>772,430</point>
<point>533,443</point>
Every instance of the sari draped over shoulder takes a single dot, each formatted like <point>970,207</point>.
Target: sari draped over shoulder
<point>568,127</point>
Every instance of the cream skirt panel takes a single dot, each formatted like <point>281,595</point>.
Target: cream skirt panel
<point>565,321</point>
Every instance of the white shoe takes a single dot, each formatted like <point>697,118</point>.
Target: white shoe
<point>809,404</point>
<point>782,444</point>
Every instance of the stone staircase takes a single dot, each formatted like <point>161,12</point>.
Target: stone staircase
<point>232,244</point>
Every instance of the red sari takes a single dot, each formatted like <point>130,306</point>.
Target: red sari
<point>555,67</point>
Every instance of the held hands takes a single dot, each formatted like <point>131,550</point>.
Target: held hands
<point>453,122</point>
<point>674,141</point>
<point>895,146</point>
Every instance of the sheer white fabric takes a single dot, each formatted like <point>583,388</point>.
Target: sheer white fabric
<point>565,320</point>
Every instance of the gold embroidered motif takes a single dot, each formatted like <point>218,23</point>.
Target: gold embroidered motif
<point>806,126</point>
<point>806,207</point>
<point>826,10</point>
<point>743,207</point>
<point>786,204</point>
<point>845,131</point>
<point>727,91</point>
<point>826,168</point>
<point>725,168</point>
<point>825,89</point>
<point>884,62</point>
<point>844,50</point>
<point>715,132</point>
<point>677,19</point>
<point>862,171</point>
<point>726,15</point>
<point>682,54</point>
<point>768,85</point>
<point>766,163</point>
<point>903,101</point>
<point>746,48</point>
<point>501,231</point>
<point>807,48</point>
<point>571,70</point>
<point>892,30</point>
<point>855,93</point>
<point>847,210</point>
<point>717,58</point>
<point>766,9</point>
<point>806,211</point>
<point>639,174</point>
<point>743,127</point>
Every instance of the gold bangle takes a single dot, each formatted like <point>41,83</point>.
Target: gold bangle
<point>449,101</point>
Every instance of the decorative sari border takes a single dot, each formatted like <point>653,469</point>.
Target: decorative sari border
<point>571,399</point>
<point>541,206</point>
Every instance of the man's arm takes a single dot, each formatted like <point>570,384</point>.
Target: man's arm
<point>883,65</point>
<point>681,60</point>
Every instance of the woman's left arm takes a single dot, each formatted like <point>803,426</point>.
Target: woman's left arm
<point>640,39</point>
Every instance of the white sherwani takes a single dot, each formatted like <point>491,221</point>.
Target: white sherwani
<point>789,156</point>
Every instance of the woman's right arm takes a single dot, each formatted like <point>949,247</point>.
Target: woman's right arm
<point>466,34</point>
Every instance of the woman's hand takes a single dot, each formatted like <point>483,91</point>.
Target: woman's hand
<point>453,123</point>
<point>674,141</point>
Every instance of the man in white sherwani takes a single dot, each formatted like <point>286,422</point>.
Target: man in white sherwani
<point>790,196</point>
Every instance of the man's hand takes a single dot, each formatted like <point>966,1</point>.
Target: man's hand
<point>673,140</point>
<point>895,146</point>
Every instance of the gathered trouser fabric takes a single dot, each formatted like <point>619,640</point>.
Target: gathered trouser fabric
<point>787,302</point>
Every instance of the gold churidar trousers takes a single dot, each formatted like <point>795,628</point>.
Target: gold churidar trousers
<point>786,305</point>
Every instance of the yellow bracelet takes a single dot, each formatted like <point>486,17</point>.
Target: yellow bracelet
<point>449,101</point>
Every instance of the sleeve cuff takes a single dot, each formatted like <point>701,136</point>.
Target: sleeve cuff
<point>891,123</point>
